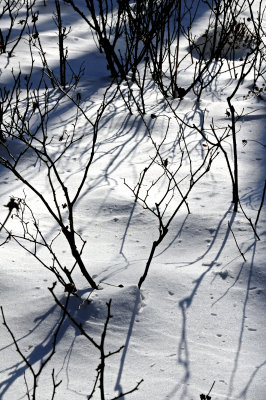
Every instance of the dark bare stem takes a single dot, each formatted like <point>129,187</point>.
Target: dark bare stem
<point>154,247</point>
<point>61,37</point>
<point>261,203</point>
<point>235,199</point>
<point>236,242</point>
<point>211,388</point>
<point>130,391</point>
<point>249,220</point>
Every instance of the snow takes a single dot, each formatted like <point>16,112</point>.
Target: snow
<point>199,317</point>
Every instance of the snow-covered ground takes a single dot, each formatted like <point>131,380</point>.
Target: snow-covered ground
<point>199,317</point>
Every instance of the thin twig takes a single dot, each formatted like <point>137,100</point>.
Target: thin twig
<point>211,388</point>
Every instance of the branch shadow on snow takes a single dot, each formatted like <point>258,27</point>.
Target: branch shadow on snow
<point>41,351</point>
<point>118,385</point>
<point>91,313</point>
<point>242,326</point>
<point>253,274</point>
<point>186,302</point>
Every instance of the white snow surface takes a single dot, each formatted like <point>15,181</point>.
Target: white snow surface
<point>200,315</point>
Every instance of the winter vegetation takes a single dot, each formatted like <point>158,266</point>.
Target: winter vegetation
<point>132,217</point>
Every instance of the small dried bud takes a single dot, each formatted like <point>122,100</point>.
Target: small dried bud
<point>12,204</point>
<point>70,288</point>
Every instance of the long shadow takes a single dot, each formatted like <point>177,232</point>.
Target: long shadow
<point>129,147</point>
<point>118,386</point>
<point>233,284</point>
<point>214,239</point>
<point>38,354</point>
<point>42,350</point>
<point>250,200</point>
<point>184,305</point>
<point>244,393</point>
<point>242,325</point>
